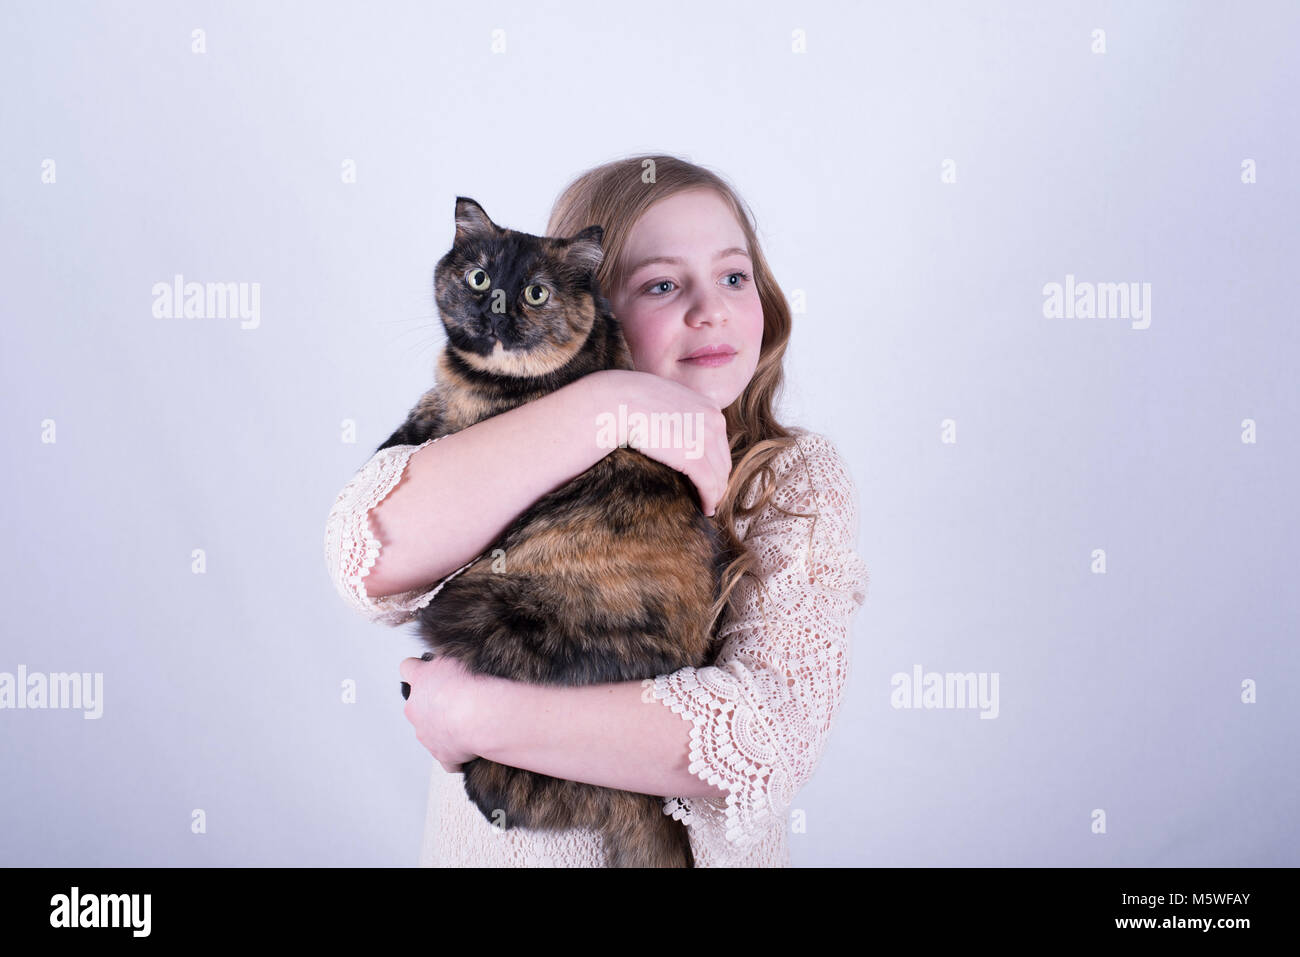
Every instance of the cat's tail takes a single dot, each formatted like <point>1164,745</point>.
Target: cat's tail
<point>639,834</point>
<point>634,828</point>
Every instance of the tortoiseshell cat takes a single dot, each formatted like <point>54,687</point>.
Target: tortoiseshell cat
<point>607,578</point>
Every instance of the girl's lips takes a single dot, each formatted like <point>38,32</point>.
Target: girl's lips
<point>716,359</point>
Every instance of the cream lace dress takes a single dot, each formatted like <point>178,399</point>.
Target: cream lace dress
<point>760,714</point>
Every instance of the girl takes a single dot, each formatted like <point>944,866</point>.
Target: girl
<point>729,744</point>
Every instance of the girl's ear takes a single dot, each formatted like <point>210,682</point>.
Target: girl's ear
<point>584,250</point>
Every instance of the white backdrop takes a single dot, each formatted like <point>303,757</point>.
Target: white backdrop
<point>921,172</point>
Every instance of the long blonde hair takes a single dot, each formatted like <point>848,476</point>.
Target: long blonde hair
<point>614,195</point>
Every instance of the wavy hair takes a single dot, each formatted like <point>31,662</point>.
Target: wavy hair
<point>614,196</point>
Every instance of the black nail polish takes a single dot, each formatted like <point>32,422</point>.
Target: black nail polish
<point>406,690</point>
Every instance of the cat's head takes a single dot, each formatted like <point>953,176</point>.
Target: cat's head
<point>515,304</point>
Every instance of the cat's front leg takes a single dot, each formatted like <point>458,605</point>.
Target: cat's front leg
<point>424,422</point>
<point>413,432</point>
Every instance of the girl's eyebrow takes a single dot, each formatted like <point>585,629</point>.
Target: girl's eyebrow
<point>677,260</point>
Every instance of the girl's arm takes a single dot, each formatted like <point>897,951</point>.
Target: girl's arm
<point>615,735</point>
<point>751,726</point>
<point>460,493</point>
<point>428,529</point>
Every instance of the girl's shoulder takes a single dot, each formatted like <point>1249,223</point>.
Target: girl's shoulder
<point>812,463</point>
<point>813,454</point>
<point>813,481</point>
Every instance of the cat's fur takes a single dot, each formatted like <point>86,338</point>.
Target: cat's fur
<point>608,578</point>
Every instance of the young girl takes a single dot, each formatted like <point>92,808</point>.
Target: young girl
<point>729,744</point>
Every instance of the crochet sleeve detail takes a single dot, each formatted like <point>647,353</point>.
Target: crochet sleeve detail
<point>351,548</point>
<point>761,714</point>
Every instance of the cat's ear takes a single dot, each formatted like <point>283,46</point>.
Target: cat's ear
<point>472,221</point>
<point>584,250</point>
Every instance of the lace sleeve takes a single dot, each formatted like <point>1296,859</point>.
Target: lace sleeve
<point>761,714</point>
<point>351,548</point>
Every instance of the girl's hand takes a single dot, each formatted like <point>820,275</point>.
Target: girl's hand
<point>437,707</point>
<point>706,460</point>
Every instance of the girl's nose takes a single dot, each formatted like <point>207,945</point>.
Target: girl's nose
<point>708,309</point>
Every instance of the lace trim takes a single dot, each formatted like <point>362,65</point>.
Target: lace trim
<point>351,548</point>
<point>760,715</point>
<point>730,748</point>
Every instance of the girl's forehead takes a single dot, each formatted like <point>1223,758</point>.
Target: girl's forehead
<point>703,205</point>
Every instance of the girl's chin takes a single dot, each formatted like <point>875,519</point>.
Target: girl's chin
<point>720,392</point>
<point>715,383</point>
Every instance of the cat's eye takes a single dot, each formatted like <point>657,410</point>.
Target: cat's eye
<point>478,280</point>
<point>536,294</point>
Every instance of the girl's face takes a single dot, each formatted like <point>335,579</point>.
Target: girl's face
<point>691,286</point>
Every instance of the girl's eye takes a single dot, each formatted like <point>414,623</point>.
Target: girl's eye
<point>744,278</point>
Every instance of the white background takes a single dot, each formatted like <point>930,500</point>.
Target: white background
<point>924,303</point>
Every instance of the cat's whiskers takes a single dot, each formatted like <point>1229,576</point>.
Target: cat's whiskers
<point>427,324</point>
